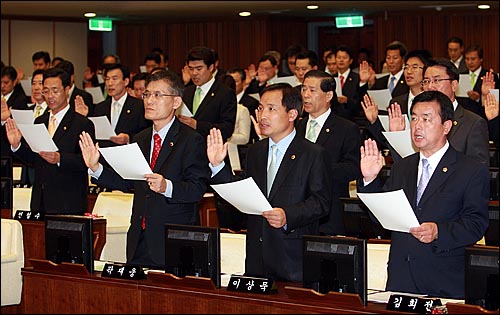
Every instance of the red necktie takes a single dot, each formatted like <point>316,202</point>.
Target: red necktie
<point>156,150</point>
<point>342,81</point>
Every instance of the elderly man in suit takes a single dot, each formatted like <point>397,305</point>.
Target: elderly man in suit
<point>180,170</point>
<point>339,136</point>
<point>448,192</point>
<point>292,172</point>
<point>61,179</point>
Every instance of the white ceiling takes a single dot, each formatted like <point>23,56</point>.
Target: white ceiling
<point>175,10</point>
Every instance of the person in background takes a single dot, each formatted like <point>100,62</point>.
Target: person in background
<point>79,100</point>
<point>41,60</point>
<point>455,46</point>
<point>266,72</point>
<point>151,61</point>
<point>179,179</point>
<point>490,105</point>
<point>448,193</point>
<point>290,56</point>
<point>138,85</point>
<point>331,63</point>
<point>56,61</point>
<point>292,172</point>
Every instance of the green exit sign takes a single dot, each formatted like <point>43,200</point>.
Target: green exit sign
<point>349,21</point>
<point>105,25</point>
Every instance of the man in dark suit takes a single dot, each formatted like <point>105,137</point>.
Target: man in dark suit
<point>299,193</point>
<point>125,112</point>
<point>180,171</point>
<point>394,54</point>
<point>61,179</point>
<point>455,47</point>
<point>451,205</point>
<point>15,98</point>
<point>217,102</point>
<point>339,136</point>
<point>75,92</point>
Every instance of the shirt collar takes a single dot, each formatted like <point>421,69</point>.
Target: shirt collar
<point>436,157</point>
<point>163,131</point>
<point>60,114</point>
<point>321,119</point>
<point>121,100</point>
<point>283,143</point>
<point>206,87</point>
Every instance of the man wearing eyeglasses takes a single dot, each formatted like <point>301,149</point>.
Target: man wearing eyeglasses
<point>179,162</point>
<point>61,179</point>
<point>125,112</point>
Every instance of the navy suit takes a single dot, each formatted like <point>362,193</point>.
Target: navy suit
<point>217,110</point>
<point>477,106</point>
<point>456,199</point>
<point>400,88</point>
<point>302,188</point>
<point>60,189</point>
<point>252,104</point>
<point>182,160</point>
<point>87,98</point>
<point>340,137</point>
<point>354,95</point>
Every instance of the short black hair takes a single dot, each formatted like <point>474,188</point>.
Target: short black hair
<point>67,66</point>
<point>397,45</point>
<point>291,97</point>
<point>446,110</point>
<point>455,39</point>
<point>125,71</point>
<point>10,72</point>
<point>475,47</point>
<point>57,72</point>
<point>153,56</point>
<point>451,69</point>
<point>202,53</point>
<point>327,81</point>
<point>308,54</point>
<point>37,72</point>
<point>176,86</point>
<point>423,54</point>
<point>241,72</point>
<point>41,55</point>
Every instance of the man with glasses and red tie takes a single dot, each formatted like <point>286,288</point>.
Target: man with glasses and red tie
<point>178,159</point>
<point>61,180</point>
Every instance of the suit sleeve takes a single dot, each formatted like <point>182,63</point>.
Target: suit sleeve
<point>478,142</point>
<point>347,168</point>
<point>227,117</point>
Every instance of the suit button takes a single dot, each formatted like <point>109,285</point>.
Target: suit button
<point>260,239</point>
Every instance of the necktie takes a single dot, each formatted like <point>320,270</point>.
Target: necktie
<point>311,132</point>
<point>271,171</point>
<point>156,149</point>
<point>52,125</point>
<point>424,179</point>
<point>391,84</point>
<point>115,113</point>
<point>38,110</point>
<point>342,81</point>
<point>196,99</point>
<point>472,79</point>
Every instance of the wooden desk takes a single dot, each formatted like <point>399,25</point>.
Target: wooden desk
<point>34,239</point>
<point>207,210</point>
<point>46,292</point>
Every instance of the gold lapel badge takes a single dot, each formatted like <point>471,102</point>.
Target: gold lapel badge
<point>171,144</point>
<point>292,157</point>
<point>445,169</point>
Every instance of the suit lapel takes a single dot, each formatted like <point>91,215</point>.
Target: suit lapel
<point>167,145</point>
<point>207,99</point>
<point>327,129</point>
<point>457,119</point>
<point>260,164</point>
<point>64,125</point>
<point>287,164</point>
<point>445,169</point>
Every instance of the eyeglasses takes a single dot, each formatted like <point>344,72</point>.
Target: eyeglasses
<point>412,67</point>
<point>53,91</point>
<point>434,81</point>
<point>155,94</point>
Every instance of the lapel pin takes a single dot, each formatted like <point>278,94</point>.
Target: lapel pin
<point>128,111</point>
<point>455,123</point>
<point>350,79</point>
<point>171,144</point>
<point>65,128</point>
<point>402,82</point>
<point>292,157</point>
<point>327,130</point>
<point>212,94</point>
<point>445,169</point>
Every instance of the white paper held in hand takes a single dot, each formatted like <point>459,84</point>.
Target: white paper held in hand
<point>38,137</point>
<point>127,160</point>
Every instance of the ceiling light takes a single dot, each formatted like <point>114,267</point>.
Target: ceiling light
<point>483,6</point>
<point>245,13</point>
<point>90,14</point>
<point>312,7</point>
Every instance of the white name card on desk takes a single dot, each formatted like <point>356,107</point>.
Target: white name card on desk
<point>244,195</point>
<point>96,93</point>
<point>127,160</point>
<point>103,128</point>
<point>401,142</point>
<point>381,98</point>
<point>38,137</point>
<point>392,209</point>
<point>23,116</point>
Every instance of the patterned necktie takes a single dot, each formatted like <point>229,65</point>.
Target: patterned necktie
<point>424,179</point>
<point>472,79</point>
<point>38,110</point>
<point>156,149</point>
<point>311,132</point>
<point>196,99</point>
<point>391,84</point>
<point>342,81</point>
<point>52,126</point>
<point>271,171</point>
<point>115,113</point>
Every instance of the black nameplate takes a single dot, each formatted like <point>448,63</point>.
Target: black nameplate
<point>123,271</point>
<point>412,304</point>
<point>29,215</point>
<point>252,285</point>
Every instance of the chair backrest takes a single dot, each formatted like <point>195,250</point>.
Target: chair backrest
<point>378,256</point>
<point>115,203</point>
<point>232,252</point>
<point>12,239</point>
<point>21,199</point>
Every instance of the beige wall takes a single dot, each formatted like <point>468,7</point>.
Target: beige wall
<point>21,38</point>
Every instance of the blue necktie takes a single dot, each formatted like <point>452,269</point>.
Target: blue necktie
<point>424,179</point>
<point>391,84</point>
<point>271,171</point>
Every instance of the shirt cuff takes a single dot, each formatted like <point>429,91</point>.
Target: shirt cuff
<point>97,173</point>
<point>216,169</point>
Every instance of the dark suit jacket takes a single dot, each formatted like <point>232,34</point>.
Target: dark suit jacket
<point>462,67</point>
<point>456,199</point>
<point>340,137</point>
<point>87,98</point>
<point>354,95</point>
<point>63,188</point>
<point>182,160</point>
<point>493,127</point>
<point>18,99</point>
<point>131,120</point>
<point>217,110</point>
<point>400,88</point>
<point>477,106</point>
<point>302,188</point>
<point>252,104</point>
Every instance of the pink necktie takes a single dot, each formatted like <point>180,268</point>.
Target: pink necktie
<point>342,81</point>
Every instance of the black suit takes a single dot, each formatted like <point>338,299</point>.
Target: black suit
<point>354,94</point>
<point>302,188</point>
<point>60,188</point>
<point>462,67</point>
<point>87,98</point>
<point>217,110</point>
<point>400,88</point>
<point>252,104</point>
<point>340,138</point>
<point>456,199</point>
<point>18,99</point>
<point>477,106</point>
<point>182,160</point>
<point>131,120</point>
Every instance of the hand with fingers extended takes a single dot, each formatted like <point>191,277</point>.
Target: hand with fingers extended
<point>216,148</point>
<point>370,108</point>
<point>90,151</point>
<point>372,160</point>
<point>396,119</point>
